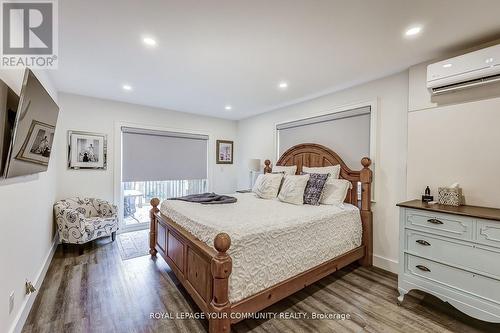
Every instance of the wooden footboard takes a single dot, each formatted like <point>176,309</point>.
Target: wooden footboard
<point>203,271</point>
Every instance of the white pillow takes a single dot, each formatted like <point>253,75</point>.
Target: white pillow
<point>292,190</point>
<point>288,170</point>
<point>333,170</point>
<point>267,185</point>
<point>335,191</point>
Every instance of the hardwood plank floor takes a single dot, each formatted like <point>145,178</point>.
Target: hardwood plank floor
<point>100,292</point>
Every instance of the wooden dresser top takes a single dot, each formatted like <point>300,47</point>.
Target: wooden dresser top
<point>470,211</point>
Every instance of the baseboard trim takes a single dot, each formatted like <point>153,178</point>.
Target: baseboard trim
<point>18,324</point>
<point>387,264</point>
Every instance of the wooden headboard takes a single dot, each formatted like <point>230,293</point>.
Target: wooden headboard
<point>314,155</point>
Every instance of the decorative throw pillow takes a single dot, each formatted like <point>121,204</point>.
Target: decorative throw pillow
<point>333,170</point>
<point>289,170</point>
<point>267,185</point>
<point>335,191</point>
<point>283,174</point>
<point>292,190</point>
<point>314,188</point>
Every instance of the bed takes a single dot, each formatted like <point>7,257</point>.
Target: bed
<point>275,248</point>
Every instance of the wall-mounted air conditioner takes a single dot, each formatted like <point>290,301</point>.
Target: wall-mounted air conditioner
<point>468,70</point>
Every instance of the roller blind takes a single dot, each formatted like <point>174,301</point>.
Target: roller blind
<point>158,155</point>
<point>347,133</point>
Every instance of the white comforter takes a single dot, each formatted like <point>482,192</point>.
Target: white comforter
<point>271,241</point>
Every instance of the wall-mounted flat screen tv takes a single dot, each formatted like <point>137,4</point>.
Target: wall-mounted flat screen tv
<point>9,101</point>
<point>28,126</point>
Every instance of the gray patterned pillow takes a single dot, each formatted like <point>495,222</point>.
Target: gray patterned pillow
<point>314,188</point>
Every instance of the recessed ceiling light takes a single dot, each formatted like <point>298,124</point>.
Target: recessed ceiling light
<point>283,85</point>
<point>447,65</point>
<point>413,31</point>
<point>127,87</point>
<point>228,107</point>
<point>149,41</point>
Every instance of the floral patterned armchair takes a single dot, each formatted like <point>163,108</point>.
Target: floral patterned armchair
<point>80,220</point>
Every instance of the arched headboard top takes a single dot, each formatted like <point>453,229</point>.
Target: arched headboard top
<point>315,155</point>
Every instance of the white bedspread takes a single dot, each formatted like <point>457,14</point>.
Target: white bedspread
<point>271,241</point>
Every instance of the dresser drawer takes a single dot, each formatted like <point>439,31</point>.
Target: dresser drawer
<point>453,252</point>
<point>488,232</point>
<point>450,277</point>
<point>442,224</point>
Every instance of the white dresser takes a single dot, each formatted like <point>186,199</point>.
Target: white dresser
<point>452,253</point>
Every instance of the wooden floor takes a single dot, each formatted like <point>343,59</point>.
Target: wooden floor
<point>100,292</point>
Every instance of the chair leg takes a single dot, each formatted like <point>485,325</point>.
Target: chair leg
<point>113,236</point>
<point>80,249</point>
<point>64,247</point>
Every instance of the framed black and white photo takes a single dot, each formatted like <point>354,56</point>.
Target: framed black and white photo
<point>224,152</point>
<point>86,150</point>
<point>37,145</point>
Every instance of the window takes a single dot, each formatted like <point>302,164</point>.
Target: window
<point>349,133</point>
<point>179,167</point>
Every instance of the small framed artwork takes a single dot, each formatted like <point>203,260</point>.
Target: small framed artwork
<point>224,152</point>
<point>37,145</point>
<point>86,150</point>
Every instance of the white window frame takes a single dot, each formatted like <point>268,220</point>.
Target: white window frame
<point>117,168</point>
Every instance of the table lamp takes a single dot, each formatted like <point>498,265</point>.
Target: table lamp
<point>254,167</point>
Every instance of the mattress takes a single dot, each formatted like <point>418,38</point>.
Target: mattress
<point>271,241</point>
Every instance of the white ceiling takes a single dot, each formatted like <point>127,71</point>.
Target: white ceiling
<point>219,52</point>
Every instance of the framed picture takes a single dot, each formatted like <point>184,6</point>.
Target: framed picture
<point>37,145</point>
<point>86,150</point>
<point>224,152</point>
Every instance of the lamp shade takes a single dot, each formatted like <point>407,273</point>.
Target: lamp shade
<point>254,164</point>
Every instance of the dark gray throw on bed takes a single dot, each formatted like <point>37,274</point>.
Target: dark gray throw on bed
<point>207,198</point>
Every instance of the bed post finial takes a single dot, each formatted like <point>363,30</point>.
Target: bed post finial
<point>366,176</point>
<point>366,162</point>
<point>222,242</point>
<point>221,267</point>
<point>267,168</point>
<point>152,230</point>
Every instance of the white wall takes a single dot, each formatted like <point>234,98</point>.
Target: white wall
<point>102,116</point>
<point>27,226</point>
<point>454,138</point>
<point>256,140</point>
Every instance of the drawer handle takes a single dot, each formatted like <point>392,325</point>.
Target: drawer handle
<point>423,268</point>
<point>422,242</point>
<point>435,221</point>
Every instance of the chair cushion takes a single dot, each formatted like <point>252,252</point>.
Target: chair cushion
<point>86,206</point>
